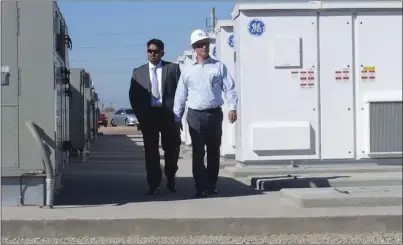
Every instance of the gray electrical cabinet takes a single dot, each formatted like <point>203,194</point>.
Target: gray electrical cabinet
<point>89,115</point>
<point>81,86</point>
<point>95,113</point>
<point>92,114</point>
<point>35,47</point>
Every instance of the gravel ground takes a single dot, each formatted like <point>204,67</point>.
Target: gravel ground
<point>373,238</point>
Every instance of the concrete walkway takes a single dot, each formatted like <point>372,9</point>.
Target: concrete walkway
<point>104,195</point>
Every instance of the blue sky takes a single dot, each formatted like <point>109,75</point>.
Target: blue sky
<point>109,38</point>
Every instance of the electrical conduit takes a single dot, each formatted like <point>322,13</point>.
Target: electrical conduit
<point>50,179</point>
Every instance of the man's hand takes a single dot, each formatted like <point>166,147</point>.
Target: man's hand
<point>179,125</point>
<point>232,116</point>
<point>178,122</point>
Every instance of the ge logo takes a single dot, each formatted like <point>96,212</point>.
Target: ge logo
<point>214,51</point>
<point>256,27</point>
<point>231,40</point>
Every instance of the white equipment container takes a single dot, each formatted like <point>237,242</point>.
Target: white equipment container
<point>178,59</point>
<point>213,48</point>
<point>188,57</point>
<point>181,62</point>
<point>225,53</point>
<point>319,81</point>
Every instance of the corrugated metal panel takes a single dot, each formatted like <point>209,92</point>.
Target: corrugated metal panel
<point>386,127</point>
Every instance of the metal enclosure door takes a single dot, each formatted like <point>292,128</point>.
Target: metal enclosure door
<point>88,124</point>
<point>85,107</point>
<point>66,120</point>
<point>336,85</point>
<point>58,118</point>
<point>92,115</point>
<point>10,79</point>
<point>379,69</point>
<point>82,109</point>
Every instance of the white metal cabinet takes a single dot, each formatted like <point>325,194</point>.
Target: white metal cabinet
<point>188,57</point>
<point>379,79</point>
<point>279,115</point>
<point>347,68</point>
<point>336,85</point>
<point>225,53</point>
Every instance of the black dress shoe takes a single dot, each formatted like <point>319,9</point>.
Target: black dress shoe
<point>153,191</point>
<point>201,194</point>
<point>213,191</point>
<point>171,186</point>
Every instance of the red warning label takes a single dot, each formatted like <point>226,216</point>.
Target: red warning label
<point>338,75</point>
<point>342,75</point>
<point>368,74</point>
<point>294,74</point>
<point>307,78</point>
<point>311,75</point>
<point>303,75</point>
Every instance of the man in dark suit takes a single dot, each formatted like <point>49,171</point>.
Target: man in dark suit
<point>152,93</point>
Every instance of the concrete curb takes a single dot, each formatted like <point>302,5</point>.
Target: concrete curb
<point>243,172</point>
<point>209,226</point>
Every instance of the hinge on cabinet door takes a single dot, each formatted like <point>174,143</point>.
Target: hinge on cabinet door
<point>68,41</point>
<point>65,72</point>
<point>19,81</point>
<point>18,20</point>
<point>55,81</point>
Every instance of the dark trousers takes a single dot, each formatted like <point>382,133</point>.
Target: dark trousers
<point>158,121</point>
<point>205,129</point>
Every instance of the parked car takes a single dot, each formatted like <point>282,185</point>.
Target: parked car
<point>124,117</point>
<point>102,119</point>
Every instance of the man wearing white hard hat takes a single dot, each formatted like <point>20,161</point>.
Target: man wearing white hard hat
<point>200,88</point>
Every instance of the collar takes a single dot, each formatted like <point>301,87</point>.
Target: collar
<point>151,65</point>
<point>208,60</point>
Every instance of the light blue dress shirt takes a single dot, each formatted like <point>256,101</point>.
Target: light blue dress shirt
<point>201,87</point>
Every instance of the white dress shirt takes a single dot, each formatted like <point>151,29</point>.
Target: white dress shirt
<point>159,77</point>
<point>201,87</point>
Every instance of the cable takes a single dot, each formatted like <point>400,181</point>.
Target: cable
<point>128,58</point>
<point>115,33</point>
<point>114,46</point>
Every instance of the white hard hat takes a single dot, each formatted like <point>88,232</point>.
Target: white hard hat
<point>198,35</point>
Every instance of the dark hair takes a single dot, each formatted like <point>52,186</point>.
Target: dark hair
<point>156,42</point>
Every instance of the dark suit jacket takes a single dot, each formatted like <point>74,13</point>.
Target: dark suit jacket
<point>140,88</point>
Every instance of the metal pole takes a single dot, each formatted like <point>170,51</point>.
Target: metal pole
<point>212,23</point>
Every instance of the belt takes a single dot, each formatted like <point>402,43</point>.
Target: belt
<point>211,110</point>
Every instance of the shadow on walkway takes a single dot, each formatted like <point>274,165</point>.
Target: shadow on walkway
<point>114,173</point>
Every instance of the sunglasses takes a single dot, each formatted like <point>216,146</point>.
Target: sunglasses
<point>153,51</point>
<point>201,45</point>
